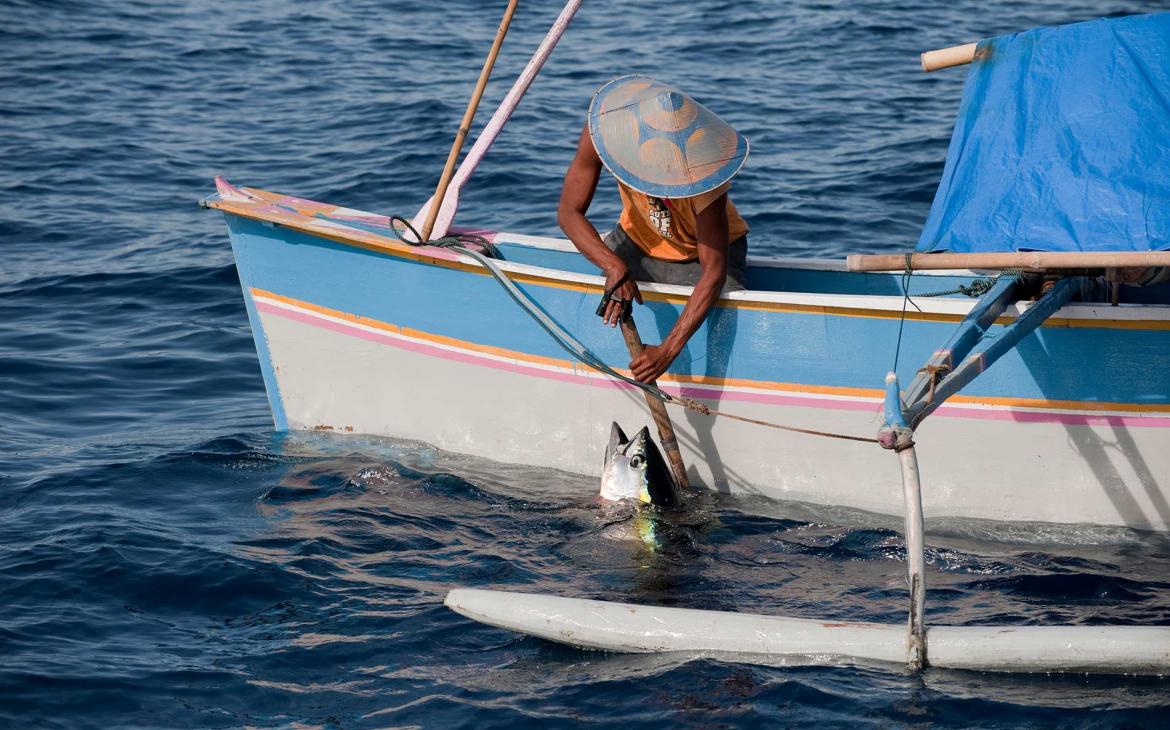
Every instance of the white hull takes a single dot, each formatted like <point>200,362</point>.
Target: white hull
<point>976,462</point>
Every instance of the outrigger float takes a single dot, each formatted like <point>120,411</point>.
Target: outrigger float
<point>1048,396</point>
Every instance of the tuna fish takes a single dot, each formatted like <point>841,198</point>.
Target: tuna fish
<point>634,469</point>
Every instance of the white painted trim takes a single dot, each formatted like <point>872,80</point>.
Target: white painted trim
<point>956,307</point>
<point>543,242</point>
<point>930,305</point>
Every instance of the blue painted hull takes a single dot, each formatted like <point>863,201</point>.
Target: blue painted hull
<point>809,346</point>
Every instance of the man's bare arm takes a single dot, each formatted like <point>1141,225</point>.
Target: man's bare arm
<point>576,195</point>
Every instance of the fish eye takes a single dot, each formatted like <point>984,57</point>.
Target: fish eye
<point>636,461</point>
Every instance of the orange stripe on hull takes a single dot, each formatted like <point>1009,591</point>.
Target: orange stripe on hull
<point>866,393</point>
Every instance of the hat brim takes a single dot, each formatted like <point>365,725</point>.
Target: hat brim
<point>652,159</point>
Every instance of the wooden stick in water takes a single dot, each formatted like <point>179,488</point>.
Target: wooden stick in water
<point>948,57</point>
<point>468,117</point>
<point>657,410</point>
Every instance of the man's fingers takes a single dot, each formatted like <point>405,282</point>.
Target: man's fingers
<point>637,366</point>
<point>642,371</point>
<point>645,368</point>
<point>613,312</point>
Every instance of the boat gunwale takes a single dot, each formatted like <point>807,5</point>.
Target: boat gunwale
<point>1079,314</point>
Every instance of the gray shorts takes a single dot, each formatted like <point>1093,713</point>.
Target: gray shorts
<point>683,273</point>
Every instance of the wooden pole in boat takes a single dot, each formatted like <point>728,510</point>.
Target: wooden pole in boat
<point>450,202</point>
<point>657,409</point>
<point>948,57</point>
<point>1009,260</point>
<point>468,117</point>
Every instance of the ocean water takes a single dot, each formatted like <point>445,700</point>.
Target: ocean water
<point>166,560</point>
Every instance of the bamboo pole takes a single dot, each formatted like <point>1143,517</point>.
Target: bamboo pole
<point>896,434</point>
<point>1009,260</point>
<point>468,117</point>
<point>657,409</point>
<point>948,57</point>
<point>450,202</point>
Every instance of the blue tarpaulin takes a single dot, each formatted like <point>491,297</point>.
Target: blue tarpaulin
<point>1062,143</point>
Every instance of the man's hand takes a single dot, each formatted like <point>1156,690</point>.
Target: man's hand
<point>627,291</point>
<point>653,362</point>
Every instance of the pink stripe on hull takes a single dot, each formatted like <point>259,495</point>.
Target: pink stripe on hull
<point>697,392</point>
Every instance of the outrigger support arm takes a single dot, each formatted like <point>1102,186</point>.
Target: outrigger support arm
<point>926,393</point>
<point>1001,343</point>
<point>948,57</point>
<point>968,334</point>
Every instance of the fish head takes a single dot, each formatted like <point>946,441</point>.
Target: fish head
<point>634,469</point>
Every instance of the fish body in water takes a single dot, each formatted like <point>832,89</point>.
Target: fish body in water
<point>635,469</point>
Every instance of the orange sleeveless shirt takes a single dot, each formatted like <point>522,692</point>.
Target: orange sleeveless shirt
<point>666,228</point>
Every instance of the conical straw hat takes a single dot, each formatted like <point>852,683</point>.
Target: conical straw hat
<point>661,142</point>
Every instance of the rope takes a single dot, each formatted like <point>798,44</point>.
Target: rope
<point>978,287</point>
<point>708,411</point>
<point>451,241</point>
<point>906,273</point>
<point>934,371</point>
<point>569,343</point>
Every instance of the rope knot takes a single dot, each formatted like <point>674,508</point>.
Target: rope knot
<point>934,371</point>
<point>978,288</point>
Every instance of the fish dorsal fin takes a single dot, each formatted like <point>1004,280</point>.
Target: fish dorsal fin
<point>617,442</point>
<point>644,436</point>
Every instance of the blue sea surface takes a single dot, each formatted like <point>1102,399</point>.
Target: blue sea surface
<point>167,560</point>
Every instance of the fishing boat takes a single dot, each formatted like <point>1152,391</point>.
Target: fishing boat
<point>359,332</point>
<point>1046,379</point>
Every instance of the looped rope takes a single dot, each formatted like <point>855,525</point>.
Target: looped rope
<point>570,344</point>
<point>450,241</point>
<point>977,288</point>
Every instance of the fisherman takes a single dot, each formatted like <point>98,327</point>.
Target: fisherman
<point>673,160</point>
